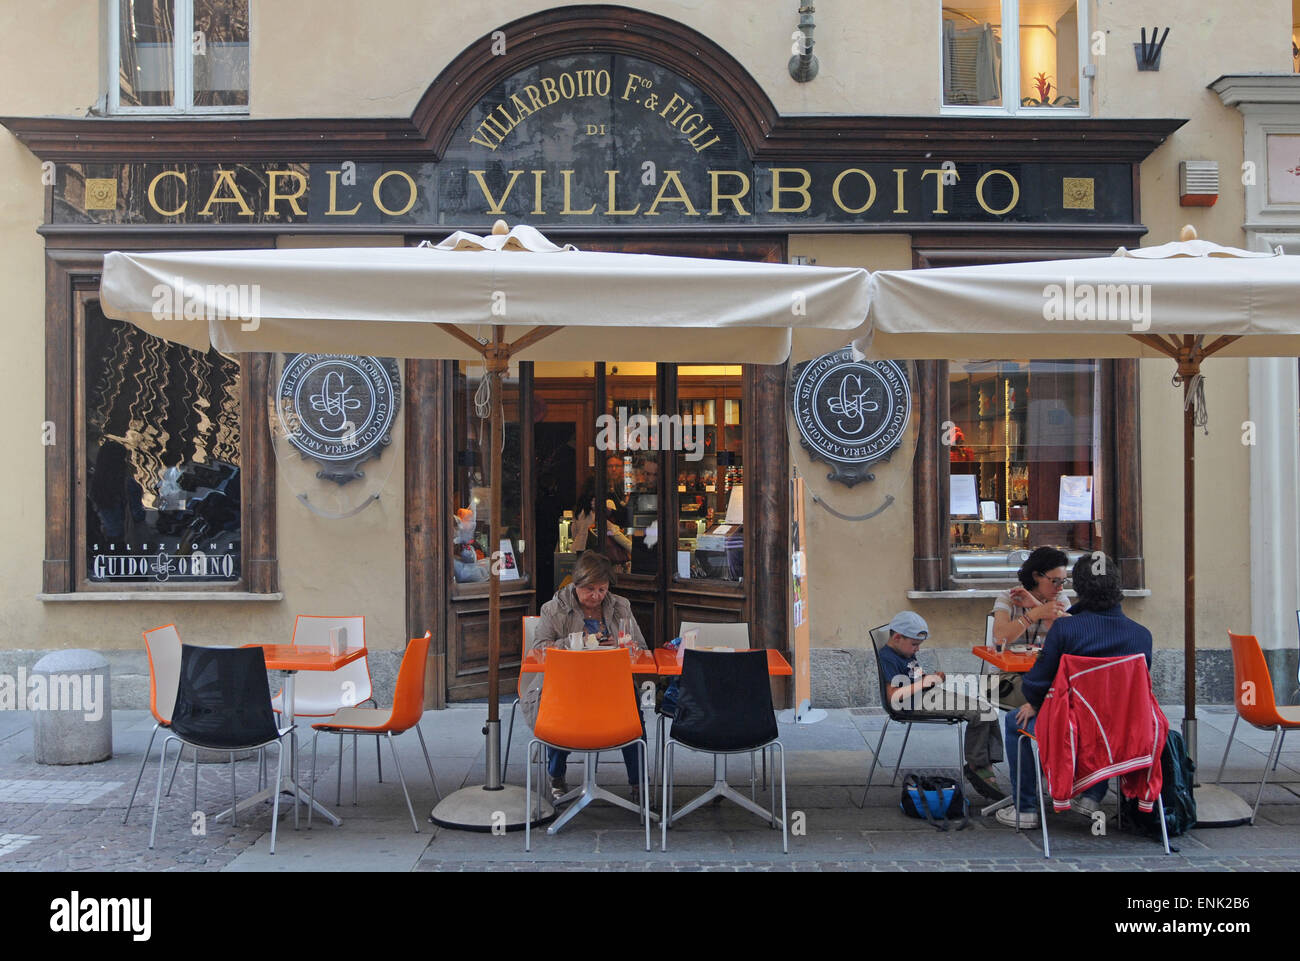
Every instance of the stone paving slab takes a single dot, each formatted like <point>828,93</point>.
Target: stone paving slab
<point>73,822</point>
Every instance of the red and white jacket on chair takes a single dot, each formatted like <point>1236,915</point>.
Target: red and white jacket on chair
<point>1101,720</point>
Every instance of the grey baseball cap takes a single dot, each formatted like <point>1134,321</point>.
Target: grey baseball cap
<point>910,624</point>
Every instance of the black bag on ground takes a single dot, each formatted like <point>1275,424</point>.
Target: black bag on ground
<point>1177,771</point>
<point>934,798</point>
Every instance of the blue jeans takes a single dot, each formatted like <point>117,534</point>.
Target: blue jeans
<point>557,761</point>
<point>1028,797</point>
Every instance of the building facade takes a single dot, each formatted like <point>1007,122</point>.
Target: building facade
<point>228,494</point>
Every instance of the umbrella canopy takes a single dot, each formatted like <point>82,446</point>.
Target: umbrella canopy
<point>1074,308</point>
<point>1186,300</point>
<point>404,301</point>
<point>506,297</point>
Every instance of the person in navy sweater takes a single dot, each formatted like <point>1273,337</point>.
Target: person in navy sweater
<point>1096,627</point>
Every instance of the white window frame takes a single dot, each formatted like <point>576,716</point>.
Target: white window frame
<point>1011,71</point>
<point>182,66</point>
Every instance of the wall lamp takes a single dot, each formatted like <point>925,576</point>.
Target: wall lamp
<point>803,65</point>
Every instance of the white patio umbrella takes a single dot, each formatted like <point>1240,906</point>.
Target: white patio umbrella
<point>1187,300</point>
<point>506,297</point>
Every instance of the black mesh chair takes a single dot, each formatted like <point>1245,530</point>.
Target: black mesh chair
<point>880,637</point>
<point>724,706</point>
<point>223,703</point>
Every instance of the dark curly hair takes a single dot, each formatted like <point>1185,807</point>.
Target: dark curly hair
<point>1042,560</point>
<point>1096,581</point>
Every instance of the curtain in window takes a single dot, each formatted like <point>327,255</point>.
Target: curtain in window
<point>972,64</point>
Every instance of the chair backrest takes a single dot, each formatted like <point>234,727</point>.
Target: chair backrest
<point>588,701</point>
<point>724,701</point>
<point>531,622</point>
<point>1252,685</point>
<point>719,635</point>
<point>163,645</point>
<point>989,640</point>
<point>223,700</point>
<point>879,638</point>
<point>313,630</point>
<point>320,693</point>
<point>408,692</point>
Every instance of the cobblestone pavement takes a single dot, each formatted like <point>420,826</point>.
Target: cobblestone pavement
<point>70,818</point>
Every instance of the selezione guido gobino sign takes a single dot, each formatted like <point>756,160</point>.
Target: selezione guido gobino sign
<point>338,409</point>
<point>850,413</point>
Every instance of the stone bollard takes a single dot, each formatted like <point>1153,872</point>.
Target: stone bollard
<point>69,695</point>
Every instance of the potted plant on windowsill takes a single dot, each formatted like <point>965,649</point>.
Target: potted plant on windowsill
<point>1044,98</point>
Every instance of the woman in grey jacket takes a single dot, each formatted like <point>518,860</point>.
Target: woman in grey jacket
<point>586,606</point>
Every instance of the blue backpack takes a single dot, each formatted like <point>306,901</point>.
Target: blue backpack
<point>1178,773</point>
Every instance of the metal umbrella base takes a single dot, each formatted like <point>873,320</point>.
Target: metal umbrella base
<point>481,808</point>
<point>1218,807</point>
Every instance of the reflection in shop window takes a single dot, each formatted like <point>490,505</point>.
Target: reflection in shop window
<point>162,475</point>
<point>1024,462</point>
<point>710,481</point>
<point>180,56</point>
<point>471,516</point>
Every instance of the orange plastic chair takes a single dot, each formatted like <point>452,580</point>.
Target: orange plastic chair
<point>588,706</point>
<point>1255,703</point>
<point>407,710</point>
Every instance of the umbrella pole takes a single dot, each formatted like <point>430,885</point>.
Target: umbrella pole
<point>496,365</point>
<point>1188,369</point>
<point>493,806</point>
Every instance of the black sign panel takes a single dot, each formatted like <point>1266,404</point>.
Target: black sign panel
<point>850,413</point>
<point>599,139</point>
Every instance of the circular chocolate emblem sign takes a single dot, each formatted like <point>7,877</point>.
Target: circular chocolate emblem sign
<point>850,413</point>
<point>338,409</point>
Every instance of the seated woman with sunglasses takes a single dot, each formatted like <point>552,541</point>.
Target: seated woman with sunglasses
<point>1024,614</point>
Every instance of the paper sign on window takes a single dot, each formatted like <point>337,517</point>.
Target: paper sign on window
<point>1076,498</point>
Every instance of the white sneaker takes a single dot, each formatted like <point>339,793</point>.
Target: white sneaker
<point>1007,816</point>
<point>1085,806</point>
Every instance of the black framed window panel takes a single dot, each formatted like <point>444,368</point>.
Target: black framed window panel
<point>159,495</point>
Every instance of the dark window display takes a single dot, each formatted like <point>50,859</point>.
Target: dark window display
<point>162,459</point>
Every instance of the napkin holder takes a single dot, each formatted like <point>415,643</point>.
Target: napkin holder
<point>338,641</point>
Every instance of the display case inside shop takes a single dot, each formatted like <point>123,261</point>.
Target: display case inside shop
<point>710,476</point>
<point>1024,448</point>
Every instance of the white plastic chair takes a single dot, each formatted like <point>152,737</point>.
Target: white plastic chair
<point>163,646</point>
<point>322,693</point>
<point>530,625</point>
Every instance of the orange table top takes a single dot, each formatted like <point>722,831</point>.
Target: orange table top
<point>670,662</point>
<point>643,662</point>
<point>1005,660</point>
<point>290,657</point>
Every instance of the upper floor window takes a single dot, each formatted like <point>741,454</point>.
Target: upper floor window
<point>1014,56</point>
<point>179,56</point>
